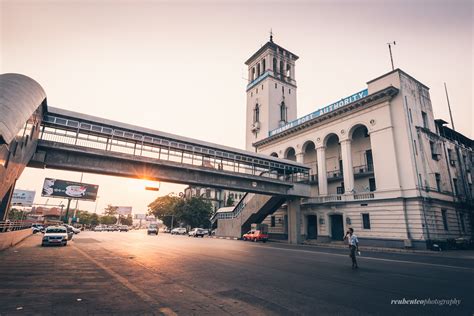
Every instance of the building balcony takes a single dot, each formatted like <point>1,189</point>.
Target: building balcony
<point>335,198</point>
<point>334,175</point>
<point>364,170</point>
<point>313,178</point>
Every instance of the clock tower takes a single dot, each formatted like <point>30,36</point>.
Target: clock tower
<point>271,91</point>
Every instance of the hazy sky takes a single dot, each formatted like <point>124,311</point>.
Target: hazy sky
<point>178,66</point>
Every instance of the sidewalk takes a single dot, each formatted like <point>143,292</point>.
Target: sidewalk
<point>464,254</point>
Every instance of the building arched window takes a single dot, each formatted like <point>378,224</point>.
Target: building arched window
<point>282,69</point>
<point>283,111</point>
<point>263,66</point>
<point>256,113</point>
<point>288,72</point>
<point>274,66</point>
<point>253,73</point>
<point>258,70</point>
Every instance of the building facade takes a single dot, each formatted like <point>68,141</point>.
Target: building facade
<point>380,162</point>
<point>217,197</point>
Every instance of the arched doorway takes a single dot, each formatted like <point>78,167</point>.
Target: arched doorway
<point>290,154</point>
<point>362,160</point>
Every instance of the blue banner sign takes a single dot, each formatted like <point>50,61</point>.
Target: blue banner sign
<point>322,111</point>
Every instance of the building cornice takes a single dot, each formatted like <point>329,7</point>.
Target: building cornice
<point>269,74</point>
<point>399,71</point>
<point>273,47</point>
<point>385,94</point>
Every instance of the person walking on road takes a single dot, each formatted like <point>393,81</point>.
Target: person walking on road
<point>353,246</point>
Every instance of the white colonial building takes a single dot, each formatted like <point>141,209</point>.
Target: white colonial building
<point>380,162</point>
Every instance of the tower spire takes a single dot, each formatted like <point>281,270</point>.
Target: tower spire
<point>271,35</point>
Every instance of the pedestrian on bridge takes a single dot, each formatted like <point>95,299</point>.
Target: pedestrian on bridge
<point>353,246</point>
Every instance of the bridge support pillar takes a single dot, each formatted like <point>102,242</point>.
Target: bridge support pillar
<point>5,202</point>
<point>294,221</point>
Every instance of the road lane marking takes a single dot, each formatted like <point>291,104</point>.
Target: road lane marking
<point>372,258</point>
<point>145,297</point>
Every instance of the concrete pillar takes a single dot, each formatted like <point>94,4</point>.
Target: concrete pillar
<point>348,170</point>
<point>322,173</point>
<point>294,221</point>
<point>299,157</point>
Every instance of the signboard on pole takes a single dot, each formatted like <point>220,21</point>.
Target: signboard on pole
<point>69,190</point>
<point>124,210</point>
<point>23,198</point>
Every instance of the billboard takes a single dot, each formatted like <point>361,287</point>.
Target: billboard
<point>124,210</point>
<point>23,197</point>
<point>68,189</point>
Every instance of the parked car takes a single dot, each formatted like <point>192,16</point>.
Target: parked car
<point>197,232</point>
<point>178,231</point>
<point>36,228</point>
<point>75,230</point>
<point>152,229</point>
<point>255,235</point>
<point>55,235</point>
<point>70,231</point>
<point>99,228</point>
<point>123,228</point>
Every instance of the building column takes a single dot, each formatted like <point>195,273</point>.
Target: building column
<point>299,157</point>
<point>322,173</point>
<point>348,170</point>
<point>294,221</point>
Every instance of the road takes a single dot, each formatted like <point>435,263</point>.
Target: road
<point>132,273</point>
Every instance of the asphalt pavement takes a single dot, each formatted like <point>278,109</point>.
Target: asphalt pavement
<point>131,273</point>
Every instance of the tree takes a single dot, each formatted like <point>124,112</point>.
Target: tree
<point>95,220</point>
<point>194,212</point>
<point>84,217</point>
<point>110,210</point>
<point>16,214</point>
<point>230,201</point>
<point>108,220</point>
<point>164,208</point>
<point>126,220</point>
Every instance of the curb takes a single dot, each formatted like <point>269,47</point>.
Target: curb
<point>374,249</point>
<point>228,238</point>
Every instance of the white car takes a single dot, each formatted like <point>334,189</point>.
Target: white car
<point>178,231</point>
<point>55,235</point>
<point>197,232</point>
<point>98,228</point>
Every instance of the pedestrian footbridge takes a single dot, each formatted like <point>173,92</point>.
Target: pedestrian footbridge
<point>35,134</point>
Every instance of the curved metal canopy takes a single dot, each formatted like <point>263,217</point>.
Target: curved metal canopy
<point>20,96</point>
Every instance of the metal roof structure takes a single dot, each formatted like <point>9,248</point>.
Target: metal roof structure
<point>20,96</point>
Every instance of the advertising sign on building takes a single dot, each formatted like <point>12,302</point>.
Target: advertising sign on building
<point>68,189</point>
<point>124,210</point>
<point>23,197</point>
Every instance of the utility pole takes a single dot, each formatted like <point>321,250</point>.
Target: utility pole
<point>67,210</point>
<point>77,200</point>
<point>449,107</point>
<point>390,50</point>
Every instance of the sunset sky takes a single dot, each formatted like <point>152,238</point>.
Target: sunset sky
<point>178,66</point>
